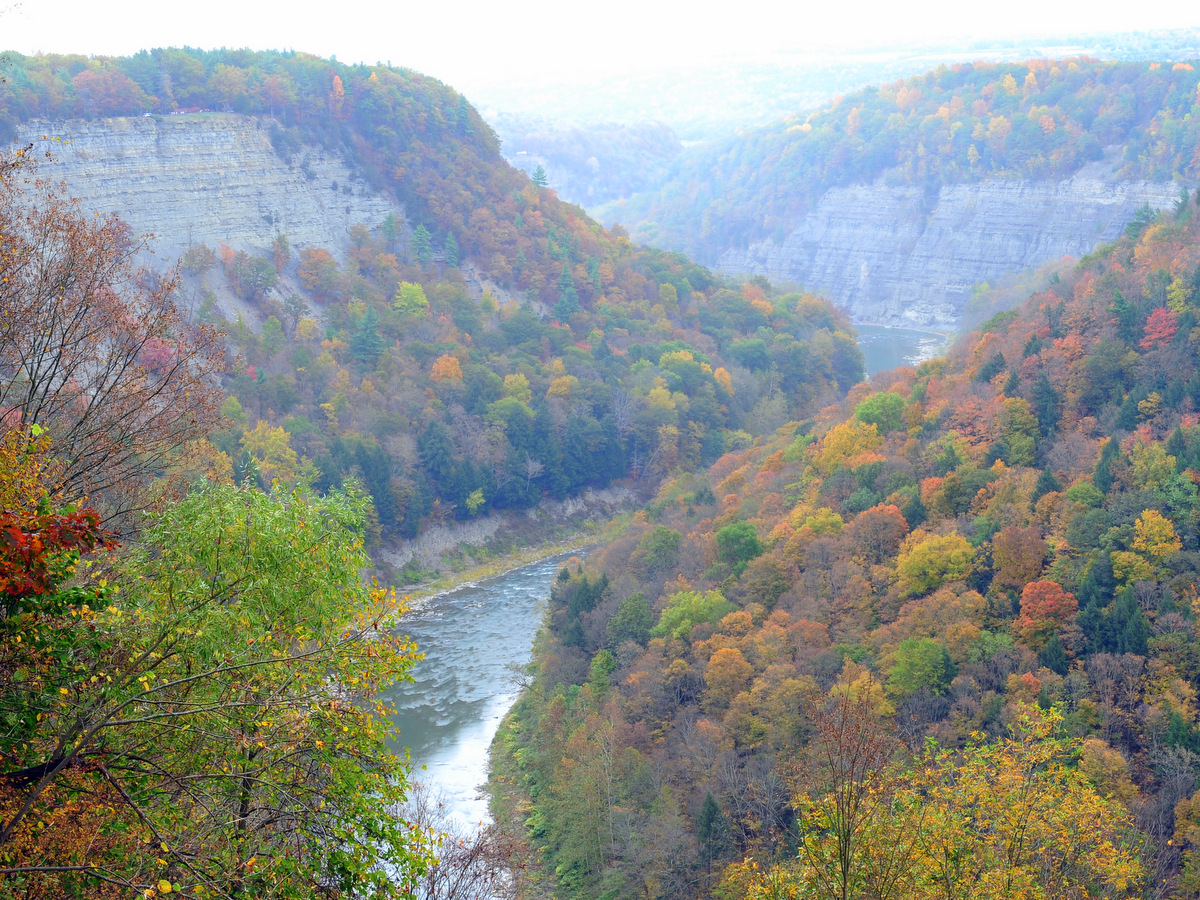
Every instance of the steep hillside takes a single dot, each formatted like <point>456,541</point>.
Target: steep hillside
<point>773,199</point>
<point>406,308</point>
<point>998,551</point>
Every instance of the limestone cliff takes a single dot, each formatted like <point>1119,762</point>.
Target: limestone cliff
<point>209,178</point>
<point>896,255</point>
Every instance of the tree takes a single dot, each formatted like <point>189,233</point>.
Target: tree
<point>568,298</point>
<point>998,821</point>
<point>632,622</point>
<point>920,665</point>
<point>446,368</point>
<point>538,177</point>
<point>738,543</point>
<point>1045,608</point>
<point>271,448</point>
<point>318,271</point>
<point>878,531</point>
<point>1018,555</point>
<point>686,609</point>
<point>410,301</point>
<point>95,351</point>
<point>422,245</point>
<point>366,343</point>
<point>194,708</point>
<point>450,249</point>
<point>1160,328</point>
<point>926,562</point>
<point>847,849</point>
<point>883,410</point>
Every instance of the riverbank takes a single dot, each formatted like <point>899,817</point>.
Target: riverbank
<point>578,539</point>
<point>454,552</point>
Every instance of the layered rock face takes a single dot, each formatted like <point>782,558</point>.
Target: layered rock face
<point>899,256</point>
<point>208,178</point>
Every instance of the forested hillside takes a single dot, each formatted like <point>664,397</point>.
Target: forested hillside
<point>937,640</point>
<point>449,406</point>
<point>594,360</point>
<point>1040,119</point>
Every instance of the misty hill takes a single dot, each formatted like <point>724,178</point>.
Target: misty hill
<point>588,165</point>
<point>897,199</point>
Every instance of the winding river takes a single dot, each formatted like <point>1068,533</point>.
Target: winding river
<point>472,637</point>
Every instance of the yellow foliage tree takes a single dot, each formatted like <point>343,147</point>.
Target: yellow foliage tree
<point>517,387</point>
<point>446,368</point>
<point>271,448</point>
<point>850,444</point>
<point>927,561</point>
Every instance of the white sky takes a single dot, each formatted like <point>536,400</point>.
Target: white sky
<point>468,42</point>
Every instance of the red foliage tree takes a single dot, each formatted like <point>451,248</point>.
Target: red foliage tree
<point>1160,328</point>
<point>1045,607</point>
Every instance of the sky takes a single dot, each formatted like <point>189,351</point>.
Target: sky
<point>473,42</point>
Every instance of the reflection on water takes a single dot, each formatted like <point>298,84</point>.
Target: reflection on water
<point>463,688</point>
<point>886,348</point>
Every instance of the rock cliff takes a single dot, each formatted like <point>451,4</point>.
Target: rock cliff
<point>897,255</point>
<point>209,178</point>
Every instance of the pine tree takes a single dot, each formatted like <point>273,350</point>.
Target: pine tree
<point>422,245</point>
<point>366,343</point>
<point>568,298</point>
<point>450,248</point>
<point>539,177</point>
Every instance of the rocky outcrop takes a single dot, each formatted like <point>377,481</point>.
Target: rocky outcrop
<point>896,255</point>
<point>210,178</point>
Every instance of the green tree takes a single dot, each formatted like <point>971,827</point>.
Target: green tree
<point>568,298</point>
<point>196,703</point>
<point>366,343</point>
<point>920,665</point>
<point>738,543</point>
<point>632,622</point>
<point>539,177</point>
<point>422,245</point>
<point>883,410</point>
<point>450,248</point>
<point>410,301</point>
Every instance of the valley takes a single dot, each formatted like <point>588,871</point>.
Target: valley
<point>886,408</point>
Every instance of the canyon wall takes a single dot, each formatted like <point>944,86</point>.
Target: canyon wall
<point>899,255</point>
<point>207,177</point>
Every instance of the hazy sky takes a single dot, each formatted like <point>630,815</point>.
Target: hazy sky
<point>465,43</point>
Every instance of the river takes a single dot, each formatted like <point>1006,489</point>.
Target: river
<point>472,637</point>
<point>886,348</point>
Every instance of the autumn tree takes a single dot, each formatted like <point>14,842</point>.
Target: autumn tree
<point>1045,607</point>
<point>95,351</point>
<point>194,706</point>
<point>927,561</point>
<point>1018,555</point>
<point>446,368</point>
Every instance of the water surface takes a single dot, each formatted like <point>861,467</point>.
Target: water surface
<point>448,715</point>
<point>886,348</point>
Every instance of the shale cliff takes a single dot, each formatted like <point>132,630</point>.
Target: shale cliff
<point>898,255</point>
<point>209,178</point>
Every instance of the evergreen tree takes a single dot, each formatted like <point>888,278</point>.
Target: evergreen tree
<point>539,177</point>
<point>422,245</point>
<point>568,299</point>
<point>366,343</point>
<point>711,829</point>
<point>1054,657</point>
<point>450,248</point>
<point>464,117</point>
